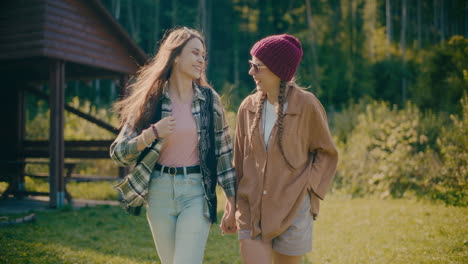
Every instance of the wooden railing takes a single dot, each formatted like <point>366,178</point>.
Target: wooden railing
<point>92,149</point>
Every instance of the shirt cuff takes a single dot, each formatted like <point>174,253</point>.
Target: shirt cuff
<point>230,189</point>
<point>132,146</point>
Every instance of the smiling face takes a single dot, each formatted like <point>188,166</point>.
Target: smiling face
<point>263,77</point>
<point>191,61</point>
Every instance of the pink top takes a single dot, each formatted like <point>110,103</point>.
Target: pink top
<point>180,148</point>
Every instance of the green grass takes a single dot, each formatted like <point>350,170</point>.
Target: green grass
<point>390,231</point>
<point>347,231</point>
<point>78,190</point>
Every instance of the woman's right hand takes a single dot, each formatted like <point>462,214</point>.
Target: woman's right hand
<point>165,126</point>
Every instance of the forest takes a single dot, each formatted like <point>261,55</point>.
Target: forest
<point>392,75</point>
<point>393,78</point>
<point>393,50</point>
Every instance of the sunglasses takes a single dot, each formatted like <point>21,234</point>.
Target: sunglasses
<point>256,67</point>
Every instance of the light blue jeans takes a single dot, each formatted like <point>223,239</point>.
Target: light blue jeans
<point>176,213</point>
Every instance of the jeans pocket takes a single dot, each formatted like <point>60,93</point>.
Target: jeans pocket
<point>194,179</point>
<point>193,184</point>
<point>160,189</point>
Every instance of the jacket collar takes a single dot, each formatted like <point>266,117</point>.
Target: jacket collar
<point>293,99</point>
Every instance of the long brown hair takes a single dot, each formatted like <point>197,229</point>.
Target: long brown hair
<point>136,109</point>
<point>282,99</point>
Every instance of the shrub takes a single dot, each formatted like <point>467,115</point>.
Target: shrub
<point>393,152</point>
<point>451,183</point>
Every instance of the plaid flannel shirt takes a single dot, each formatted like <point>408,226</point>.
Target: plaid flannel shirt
<point>134,187</point>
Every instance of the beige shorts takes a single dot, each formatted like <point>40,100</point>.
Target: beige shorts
<point>297,239</point>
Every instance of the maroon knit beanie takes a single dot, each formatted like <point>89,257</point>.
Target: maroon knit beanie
<point>280,53</point>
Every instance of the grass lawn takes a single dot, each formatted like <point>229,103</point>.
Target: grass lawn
<point>347,231</point>
<point>80,190</point>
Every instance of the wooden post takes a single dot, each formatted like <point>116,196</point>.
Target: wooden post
<point>57,103</point>
<point>13,120</point>
<point>21,128</point>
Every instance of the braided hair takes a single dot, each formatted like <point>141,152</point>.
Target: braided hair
<point>282,99</point>
<point>258,113</point>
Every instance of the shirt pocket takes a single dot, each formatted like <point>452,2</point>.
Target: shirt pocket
<point>294,142</point>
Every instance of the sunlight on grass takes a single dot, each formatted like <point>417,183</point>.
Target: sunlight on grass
<point>389,231</point>
<point>78,190</point>
<point>57,253</point>
<point>347,231</point>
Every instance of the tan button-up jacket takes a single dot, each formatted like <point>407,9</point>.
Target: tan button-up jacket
<point>270,192</point>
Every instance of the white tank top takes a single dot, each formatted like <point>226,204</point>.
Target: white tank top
<point>269,120</point>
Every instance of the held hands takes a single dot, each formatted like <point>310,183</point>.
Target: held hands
<point>228,222</point>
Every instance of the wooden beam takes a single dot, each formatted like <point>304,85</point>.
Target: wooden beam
<point>76,154</point>
<point>70,143</point>
<point>93,149</point>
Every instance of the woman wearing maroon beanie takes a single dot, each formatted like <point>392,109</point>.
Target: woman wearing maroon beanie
<point>284,156</point>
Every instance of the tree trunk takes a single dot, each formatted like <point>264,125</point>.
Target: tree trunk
<point>202,14</point>
<point>370,14</point>
<point>137,21</point>
<point>373,25</point>
<point>116,8</point>
<point>264,25</point>
<point>208,16</point>
<point>388,23</point>
<point>174,12</point>
<point>465,33</point>
<point>403,48</point>
<point>76,86</point>
<point>352,47</point>
<point>337,16</point>
<point>236,61</point>
<point>97,87</point>
<point>113,90</point>
<point>131,20</point>
<point>156,26</point>
<point>436,26</point>
<point>310,23</point>
<point>442,21</point>
<point>419,24</point>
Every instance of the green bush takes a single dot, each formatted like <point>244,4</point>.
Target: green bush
<point>452,181</point>
<point>393,152</point>
<point>342,123</point>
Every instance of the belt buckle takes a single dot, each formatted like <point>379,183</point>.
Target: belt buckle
<point>170,171</point>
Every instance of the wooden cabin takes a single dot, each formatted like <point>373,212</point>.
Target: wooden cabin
<point>54,41</point>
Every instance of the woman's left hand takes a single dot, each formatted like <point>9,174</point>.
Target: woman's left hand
<point>228,222</point>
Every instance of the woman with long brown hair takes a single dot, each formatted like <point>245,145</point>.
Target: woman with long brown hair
<point>175,132</point>
<point>284,156</point>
